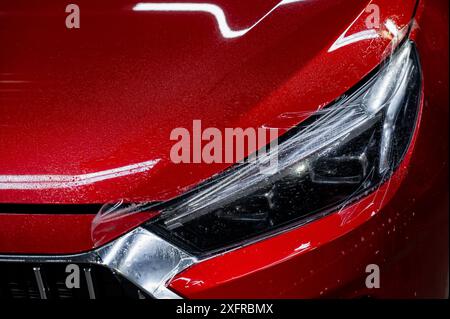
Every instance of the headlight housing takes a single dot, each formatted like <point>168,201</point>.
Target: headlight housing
<point>335,157</point>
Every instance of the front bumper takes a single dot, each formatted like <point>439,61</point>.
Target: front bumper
<point>139,256</point>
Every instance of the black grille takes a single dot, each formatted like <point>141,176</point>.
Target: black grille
<point>38,281</point>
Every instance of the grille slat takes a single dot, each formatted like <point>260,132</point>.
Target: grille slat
<point>89,282</point>
<point>40,283</point>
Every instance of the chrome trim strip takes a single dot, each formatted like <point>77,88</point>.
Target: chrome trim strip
<point>140,256</point>
<point>154,261</point>
<point>40,282</point>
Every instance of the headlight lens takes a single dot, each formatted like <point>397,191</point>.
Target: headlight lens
<point>338,155</point>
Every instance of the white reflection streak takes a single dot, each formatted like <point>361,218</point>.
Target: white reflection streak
<point>344,40</point>
<point>303,247</point>
<point>392,28</point>
<point>356,37</point>
<point>24,182</point>
<point>210,8</point>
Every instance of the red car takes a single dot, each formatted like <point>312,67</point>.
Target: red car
<point>99,197</point>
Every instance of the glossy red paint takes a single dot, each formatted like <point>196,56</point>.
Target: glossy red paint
<point>62,233</point>
<point>80,106</point>
<point>404,231</point>
<point>106,96</point>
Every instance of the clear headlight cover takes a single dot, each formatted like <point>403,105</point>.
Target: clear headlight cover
<point>338,155</point>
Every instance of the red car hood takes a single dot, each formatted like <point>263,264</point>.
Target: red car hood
<point>86,114</point>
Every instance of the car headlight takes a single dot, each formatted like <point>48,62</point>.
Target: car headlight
<point>335,157</point>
